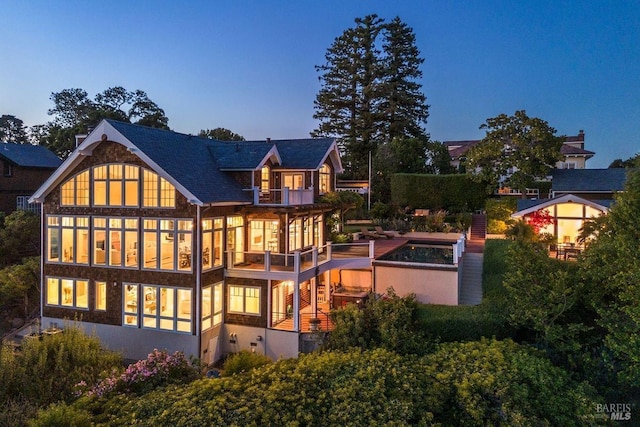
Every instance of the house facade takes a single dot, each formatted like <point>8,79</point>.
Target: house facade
<point>577,195</point>
<point>23,168</point>
<point>155,239</point>
<point>574,154</point>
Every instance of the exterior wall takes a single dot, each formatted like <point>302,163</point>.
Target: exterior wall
<point>246,319</point>
<point>270,342</point>
<point>22,182</point>
<point>431,285</point>
<point>581,162</point>
<point>134,343</point>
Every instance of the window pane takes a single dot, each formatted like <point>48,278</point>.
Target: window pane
<point>82,294</point>
<point>67,245</point>
<point>183,326</point>
<point>166,302</point>
<point>150,189</point>
<point>150,249</point>
<point>131,244</point>
<point>100,193</point>
<point>115,243</point>
<point>115,193</point>
<point>236,299</point>
<point>99,253</point>
<point>53,291</point>
<point>67,292</point>
<point>166,324</point>
<point>101,295</point>
<point>217,304</point>
<point>68,193</point>
<point>184,303</point>
<point>207,245</point>
<point>167,251</point>
<point>131,299</point>
<point>82,189</point>
<point>252,300</point>
<point>206,302</point>
<point>149,300</point>
<point>53,243</point>
<point>131,193</point>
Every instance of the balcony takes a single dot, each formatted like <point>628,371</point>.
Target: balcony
<point>303,264</point>
<point>282,197</point>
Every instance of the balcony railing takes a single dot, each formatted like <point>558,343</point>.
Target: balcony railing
<point>297,261</point>
<point>282,197</point>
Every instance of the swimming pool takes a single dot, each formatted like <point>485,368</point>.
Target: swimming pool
<point>422,252</point>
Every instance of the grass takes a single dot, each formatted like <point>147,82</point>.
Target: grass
<point>468,323</point>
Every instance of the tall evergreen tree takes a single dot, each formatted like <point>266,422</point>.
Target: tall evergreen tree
<point>370,95</point>
<point>12,129</point>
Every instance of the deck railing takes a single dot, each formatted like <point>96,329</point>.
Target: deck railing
<point>282,197</point>
<point>298,260</point>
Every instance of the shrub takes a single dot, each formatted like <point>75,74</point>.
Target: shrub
<point>61,415</point>
<point>157,370</point>
<point>499,214</point>
<point>244,361</point>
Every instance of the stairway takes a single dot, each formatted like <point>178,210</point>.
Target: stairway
<point>475,244</point>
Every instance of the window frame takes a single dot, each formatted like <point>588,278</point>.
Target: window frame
<point>244,297</point>
<point>213,315</point>
<point>59,293</point>
<point>150,298</point>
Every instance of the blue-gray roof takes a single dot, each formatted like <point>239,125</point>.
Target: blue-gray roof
<point>188,159</point>
<point>303,153</point>
<point>240,155</point>
<point>588,180</point>
<point>27,155</point>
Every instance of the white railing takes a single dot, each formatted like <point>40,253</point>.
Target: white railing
<point>298,260</point>
<point>282,197</point>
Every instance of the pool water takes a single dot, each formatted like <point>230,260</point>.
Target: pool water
<point>424,253</point>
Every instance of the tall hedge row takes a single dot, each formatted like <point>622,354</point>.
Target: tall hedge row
<point>454,193</point>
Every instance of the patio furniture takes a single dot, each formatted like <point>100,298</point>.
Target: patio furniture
<point>370,234</point>
<point>387,234</point>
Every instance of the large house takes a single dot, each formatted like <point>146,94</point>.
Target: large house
<point>155,239</point>
<point>576,196</point>
<point>574,154</point>
<point>24,167</point>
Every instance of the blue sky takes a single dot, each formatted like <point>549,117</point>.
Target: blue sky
<point>249,65</point>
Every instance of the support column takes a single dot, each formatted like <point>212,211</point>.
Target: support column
<point>296,305</point>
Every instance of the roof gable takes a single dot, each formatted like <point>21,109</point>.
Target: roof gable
<point>530,206</point>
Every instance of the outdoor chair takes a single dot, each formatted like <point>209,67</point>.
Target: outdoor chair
<point>387,234</point>
<point>370,234</point>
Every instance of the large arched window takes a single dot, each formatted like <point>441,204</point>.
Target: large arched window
<point>75,192</point>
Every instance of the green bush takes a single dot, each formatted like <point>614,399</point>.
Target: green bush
<point>244,361</point>
<point>61,415</point>
<point>467,384</point>
<point>443,323</point>
<point>453,193</point>
<point>499,214</point>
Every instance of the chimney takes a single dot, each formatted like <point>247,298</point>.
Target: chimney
<point>80,138</point>
<point>268,140</point>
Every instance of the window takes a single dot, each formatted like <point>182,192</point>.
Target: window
<point>317,231</point>
<point>244,300</point>
<point>235,238</point>
<point>294,181</point>
<point>264,179</point>
<point>325,179</point>
<point>295,234</point>
<point>7,170</point>
<point>115,185</point>
<point>263,235</point>
<point>211,243</point>
<point>130,302</point>
<point>164,308</point>
<point>101,296</point>
<point>211,306</point>
<point>115,242</point>
<point>167,244</point>
<point>69,293</point>
<point>67,239</point>
<point>157,191</point>
<point>567,165</point>
<point>22,204</point>
<point>75,192</point>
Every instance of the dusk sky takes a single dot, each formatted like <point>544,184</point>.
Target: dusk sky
<point>248,66</point>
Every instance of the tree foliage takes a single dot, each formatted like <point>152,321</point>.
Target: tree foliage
<point>221,134</point>
<point>610,268</point>
<point>370,93</point>
<point>12,129</point>
<point>19,237</point>
<point>631,162</point>
<point>516,151</point>
<point>74,113</point>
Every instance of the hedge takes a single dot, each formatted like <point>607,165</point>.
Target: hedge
<point>453,193</point>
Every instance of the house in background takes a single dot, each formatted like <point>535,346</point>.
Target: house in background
<point>573,151</point>
<point>23,167</point>
<point>576,195</point>
<point>155,239</point>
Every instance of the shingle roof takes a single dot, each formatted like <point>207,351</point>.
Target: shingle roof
<point>588,180</point>
<point>567,149</point>
<point>188,159</point>
<point>27,155</point>
<point>303,153</point>
<point>240,155</point>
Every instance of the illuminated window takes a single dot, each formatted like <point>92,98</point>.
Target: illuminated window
<point>211,243</point>
<point>317,231</point>
<point>75,192</point>
<point>167,244</point>
<point>325,179</point>
<point>69,293</point>
<point>235,238</point>
<point>295,234</point>
<point>244,300</point>
<point>115,241</point>
<point>130,302</point>
<point>211,306</point>
<point>67,239</point>
<point>101,296</point>
<point>164,308</point>
<point>263,235</point>
<point>157,191</point>
<point>264,179</point>
<point>115,185</point>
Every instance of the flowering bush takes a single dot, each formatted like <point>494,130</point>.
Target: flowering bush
<point>157,370</point>
<point>540,219</point>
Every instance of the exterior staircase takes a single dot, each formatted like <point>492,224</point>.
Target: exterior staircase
<point>471,284</point>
